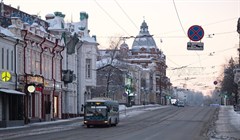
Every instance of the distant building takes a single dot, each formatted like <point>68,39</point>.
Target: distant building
<point>151,82</point>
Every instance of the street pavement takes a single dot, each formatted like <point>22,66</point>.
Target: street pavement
<point>123,112</point>
<point>226,127</point>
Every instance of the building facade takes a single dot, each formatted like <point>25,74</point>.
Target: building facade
<point>11,99</point>
<point>146,65</point>
<point>38,67</point>
<point>145,53</point>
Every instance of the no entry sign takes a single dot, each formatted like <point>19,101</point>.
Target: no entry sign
<point>195,33</point>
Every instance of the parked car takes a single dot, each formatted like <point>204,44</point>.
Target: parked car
<point>180,104</point>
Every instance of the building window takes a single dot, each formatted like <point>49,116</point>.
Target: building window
<point>88,68</point>
<point>2,58</point>
<point>33,62</point>
<point>37,63</point>
<point>12,60</point>
<point>7,59</point>
<point>20,62</point>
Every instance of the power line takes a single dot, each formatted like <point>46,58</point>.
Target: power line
<point>173,37</point>
<point>179,17</point>
<point>181,67</point>
<point>209,24</point>
<point>111,17</point>
<point>125,13</point>
<point>225,20</point>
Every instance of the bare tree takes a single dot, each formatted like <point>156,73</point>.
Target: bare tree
<point>111,68</point>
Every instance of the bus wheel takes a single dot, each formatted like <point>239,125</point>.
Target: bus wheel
<point>110,123</point>
<point>88,125</point>
<point>115,122</point>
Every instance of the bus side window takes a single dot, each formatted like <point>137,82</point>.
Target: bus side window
<point>115,109</point>
<point>108,109</point>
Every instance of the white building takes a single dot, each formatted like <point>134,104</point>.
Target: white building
<point>79,66</point>
<point>86,61</point>
<point>11,100</point>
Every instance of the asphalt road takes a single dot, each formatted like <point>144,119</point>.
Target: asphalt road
<point>171,123</point>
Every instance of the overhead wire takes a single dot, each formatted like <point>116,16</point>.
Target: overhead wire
<point>179,18</point>
<point>120,25</point>
<point>187,66</point>
<point>225,20</point>
<point>111,17</point>
<point>175,7</point>
<point>219,51</point>
<point>125,13</point>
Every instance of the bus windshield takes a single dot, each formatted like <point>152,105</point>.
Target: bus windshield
<point>96,110</point>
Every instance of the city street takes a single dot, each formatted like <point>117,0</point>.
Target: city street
<point>167,123</point>
<point>147,70</point>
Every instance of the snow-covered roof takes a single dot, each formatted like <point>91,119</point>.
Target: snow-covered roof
<point>120,64</point>
<point>48,16</point>
<point>106,61</point>
<point>88,39</point>
<point>6,32</point>
<point>56,21</point>
<point>79,28</point>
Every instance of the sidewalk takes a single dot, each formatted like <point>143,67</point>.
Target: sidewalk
<point>228,124</point>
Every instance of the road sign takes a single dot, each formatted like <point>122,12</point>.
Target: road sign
<point>195,33</point>
<point>6,76</point>
<point>195,46</point>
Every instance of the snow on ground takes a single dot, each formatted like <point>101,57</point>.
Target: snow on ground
<point>135,110</point>
<point>227,126</point>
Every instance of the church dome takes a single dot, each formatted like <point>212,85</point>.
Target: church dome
<point>143,40</point>
<point>124,46</point>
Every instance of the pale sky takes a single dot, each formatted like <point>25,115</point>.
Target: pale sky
<point>167,20</point>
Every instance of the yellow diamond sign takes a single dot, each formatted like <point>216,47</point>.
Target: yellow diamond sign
<point>6,76</point>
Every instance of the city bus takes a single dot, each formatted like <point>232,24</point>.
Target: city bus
<point>101,111</point>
